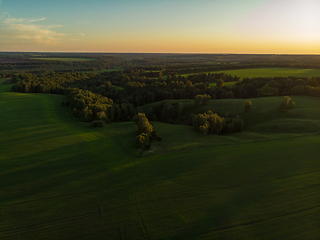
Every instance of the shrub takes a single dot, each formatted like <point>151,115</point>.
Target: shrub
<point>287,103</point>
<point>142,141</point>
<point>220,83</point>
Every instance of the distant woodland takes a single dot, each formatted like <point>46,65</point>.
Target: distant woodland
<point>97,90</point>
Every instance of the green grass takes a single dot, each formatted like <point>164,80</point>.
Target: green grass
<point>3,86</point>
<point>273,72</point>
<point>269,72</point>
<point>119,87</point>
<point>63,179</point>
<point>66,59</point>
<point>263,122</point>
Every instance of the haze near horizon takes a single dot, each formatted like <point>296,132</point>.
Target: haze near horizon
<point>203,26</point>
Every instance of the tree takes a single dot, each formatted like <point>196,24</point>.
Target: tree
<point>188,84</point>
<point>108,85</point>
<point>215,123</point>
<point>204,129</point>
<point>138,116</point>
<point>142,141</point>
<point>247,105</point>
<point>206,98</point>
<point>219,83</point>
<point>212,123</point>
<point>201,99</point>
<point>198,100</point>
<point>143,124</point>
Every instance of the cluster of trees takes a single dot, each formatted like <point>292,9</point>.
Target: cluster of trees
<point>143,123</point>
<point>54,83</point>
<point>28,63</point>
<point>165,111</point>
<point>212,77</point>
<point>306,90</point>
<point>140,90</point>
<point>89,106</point>
<point>287,103</point>
<point>145,129</point>
<point>80,89</point>
<point>3,75</point>
<point>201,99</point>
<point>277,86</point>
<point>212,123</point>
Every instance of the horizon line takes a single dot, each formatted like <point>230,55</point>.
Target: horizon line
<point>204,53</point>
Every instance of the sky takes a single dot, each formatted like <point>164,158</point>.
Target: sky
<point>161,26</point>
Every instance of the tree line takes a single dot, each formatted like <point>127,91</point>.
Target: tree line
<point>97,97</point>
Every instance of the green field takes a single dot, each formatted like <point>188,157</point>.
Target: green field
<point>66,59</point>
<point>4,87</point>
<point>119,87</point>
<point>63,179</point>
<point>269,72</point>
<point>273,72</point>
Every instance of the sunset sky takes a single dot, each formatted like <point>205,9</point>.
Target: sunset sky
<point>169,26</point>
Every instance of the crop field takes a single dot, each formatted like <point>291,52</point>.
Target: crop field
<point>63,179</point>
<point>273,72</point>
<point>269,72</point>
<point>66,59</point>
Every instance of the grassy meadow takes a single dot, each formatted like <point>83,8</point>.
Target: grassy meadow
<point>118,87</point>
<point>63,179</point>
<point>272,72</point>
